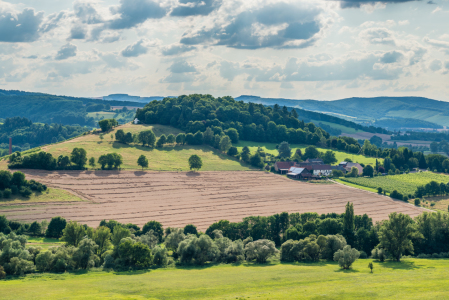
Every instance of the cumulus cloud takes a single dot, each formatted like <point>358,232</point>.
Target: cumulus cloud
<point>182,66</point>
<point>391,57</point>
<point>132,13</point>
<point>381,36</point>
<point>78,32</point>
<point>195,7</point>
<point>20,27</point>
<point>135,49</point>
<point>176,49</point>
<point>279,25</point>
<point>358,3</point>
<point>87,13</point>
<point>436,65</point>
<point>66,51</point>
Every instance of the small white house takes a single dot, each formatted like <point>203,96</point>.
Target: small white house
<point>136,121</point>
<point>322,170</point>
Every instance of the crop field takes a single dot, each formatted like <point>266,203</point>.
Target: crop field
<point>409,279</point>
<point>340,155</point>
<point>404,184</point>
<point>178,198</point>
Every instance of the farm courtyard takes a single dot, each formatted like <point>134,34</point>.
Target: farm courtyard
<point>178,198</point>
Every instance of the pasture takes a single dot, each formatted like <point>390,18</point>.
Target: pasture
<point>168,158</point>
<point>404,184</point>
<point>176,199</point>
<point>340,155</point>
<point>410,279</point>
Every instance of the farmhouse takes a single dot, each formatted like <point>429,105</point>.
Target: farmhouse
<point>320,170</point>
<point>349,165</point>
<point>283,166</point>
<point>299,173</point>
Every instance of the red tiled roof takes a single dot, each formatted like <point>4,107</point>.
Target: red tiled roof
<point>284,164</point>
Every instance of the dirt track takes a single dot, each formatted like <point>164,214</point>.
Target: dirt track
<point>177,199</point>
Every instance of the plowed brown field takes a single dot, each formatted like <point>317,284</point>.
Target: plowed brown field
<point>177,199</point>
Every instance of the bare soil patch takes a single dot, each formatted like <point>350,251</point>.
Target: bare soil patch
<point>176,199</point>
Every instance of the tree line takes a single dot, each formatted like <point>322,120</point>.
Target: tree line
<point>301,237</point>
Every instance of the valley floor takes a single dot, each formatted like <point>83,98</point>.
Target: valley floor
<point>410,279</point>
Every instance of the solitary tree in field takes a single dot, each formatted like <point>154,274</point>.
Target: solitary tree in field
<point>346,257</point>
<point>371,266</point>
<point>92,162</point>
<point>195,162</point>
<point>142,161</point>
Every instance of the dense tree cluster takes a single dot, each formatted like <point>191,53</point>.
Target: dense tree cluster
<point>23,131</point>
<point>107,124</point>
<point>15,183</point>
<point>252,122</point>
<point>46,161</point>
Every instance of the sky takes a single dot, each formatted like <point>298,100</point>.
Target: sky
<point>302,49</point>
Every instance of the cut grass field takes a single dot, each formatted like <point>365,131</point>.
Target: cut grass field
<point>409,279</point>
<point>50,195</point>
<point>271,148</point>
<point>168,158</point>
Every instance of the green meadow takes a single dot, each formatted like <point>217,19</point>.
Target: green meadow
<point>340,155</point>
<point>168,158</point>
<point>409,279</point>
<point>50,195</point>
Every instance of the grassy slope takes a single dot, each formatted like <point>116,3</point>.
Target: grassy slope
<point>271,148</point>
<point>50,195</point>
<point>411,279</point>
<point>168,158</point>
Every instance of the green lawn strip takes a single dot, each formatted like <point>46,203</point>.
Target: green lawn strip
<point>44,242</point>
<point>410,279</point>
<point>50,195</point>
<point>357,186</point>
<point>340,155</point>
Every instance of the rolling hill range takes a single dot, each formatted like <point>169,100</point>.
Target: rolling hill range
<point>369,109</point>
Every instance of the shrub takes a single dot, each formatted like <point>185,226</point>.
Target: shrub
<point>363,255</point>
<point>233,151</point>
<point>25,192</point>
<point>405,198</point>
<point>379,190</point>
<point>396,195</point>
<point>417,202</point>
<point>14,189</point>
<point>2,273</point>
<point>160,256</point>
<point>346,257</point>
<point>378,254</point>
<point>7,193</point>
<point>260,250</point>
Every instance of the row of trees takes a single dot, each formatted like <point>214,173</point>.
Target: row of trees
<point>46,161</point>
<point>301,237</point>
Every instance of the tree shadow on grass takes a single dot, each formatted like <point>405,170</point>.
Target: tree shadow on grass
<point>193,174</point>
<point>139,173</point>
<point>402,265</point>
<point>346,271</point>
<point>132,272</point>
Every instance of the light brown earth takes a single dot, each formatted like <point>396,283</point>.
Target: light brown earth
<point>176,199</point>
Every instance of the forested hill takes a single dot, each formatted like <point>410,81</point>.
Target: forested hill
<point>370,108</point>
<point>47,108</point>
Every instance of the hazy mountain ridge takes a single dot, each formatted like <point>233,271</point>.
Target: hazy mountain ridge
<point>360,109</point>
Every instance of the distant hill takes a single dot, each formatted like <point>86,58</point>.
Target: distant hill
<point>45,108</point>
<point>366,110</point>
<point>126,97</point>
